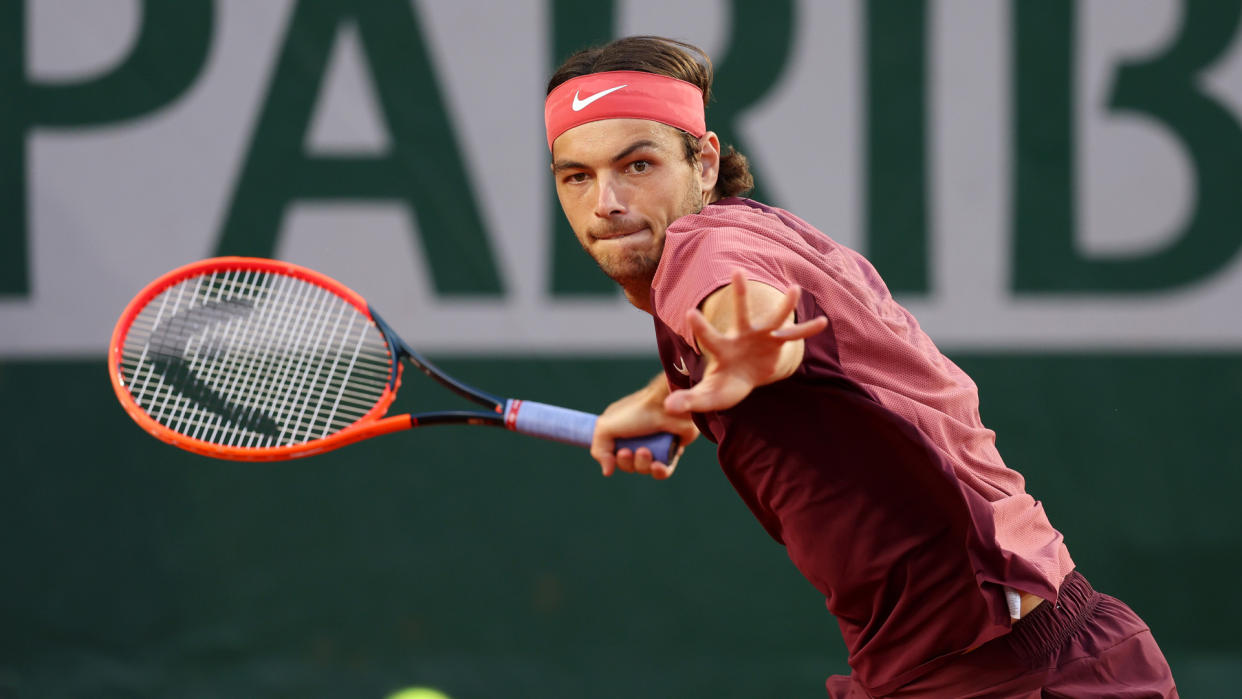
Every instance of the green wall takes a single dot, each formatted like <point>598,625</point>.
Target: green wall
<point>491,565</point>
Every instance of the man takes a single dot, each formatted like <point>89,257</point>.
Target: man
<point>851,438</point>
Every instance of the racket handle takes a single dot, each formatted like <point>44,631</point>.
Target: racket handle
<point>663,445</point>
<point>576,427</point>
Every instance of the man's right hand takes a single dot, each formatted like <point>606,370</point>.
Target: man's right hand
<point>640,413</point>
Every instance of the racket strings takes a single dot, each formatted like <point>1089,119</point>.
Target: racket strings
<point>254,359</point>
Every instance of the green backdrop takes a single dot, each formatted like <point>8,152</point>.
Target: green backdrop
<point>491,565</point>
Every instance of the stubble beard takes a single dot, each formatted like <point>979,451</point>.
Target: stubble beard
<point>634,269</point>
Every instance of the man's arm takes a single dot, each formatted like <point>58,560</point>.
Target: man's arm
<point>749,335</point>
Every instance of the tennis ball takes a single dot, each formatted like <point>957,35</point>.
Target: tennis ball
<point>418,693</point>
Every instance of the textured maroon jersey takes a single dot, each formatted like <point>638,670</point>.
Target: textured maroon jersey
<point>870,464</point>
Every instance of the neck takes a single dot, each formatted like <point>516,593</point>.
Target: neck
<point>639,298</point>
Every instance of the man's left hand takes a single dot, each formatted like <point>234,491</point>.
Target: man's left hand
<point>748,334</point>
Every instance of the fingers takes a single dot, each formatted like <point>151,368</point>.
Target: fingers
<point>679,402</point>
<point>801,331</point>
<point>610,461</point>
<point>643,463</point>
<point>741,306</point>
<point>783,311</point>
<point>711,339</point>
<point>773,319</point>
<point>606,459</point>
<point>715,392</point>
<point>661,471</point>
<point>777,318</point>
<point>762,320</point>
<point>689,400</point>
<point>708,336</point>
<point>636,461</point>
<point>603,449</point>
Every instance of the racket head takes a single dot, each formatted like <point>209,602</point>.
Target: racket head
<point>250,359</point>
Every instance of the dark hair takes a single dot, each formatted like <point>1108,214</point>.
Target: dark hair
<point>672,58</point>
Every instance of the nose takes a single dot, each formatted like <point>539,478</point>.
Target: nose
<point>608,202</point>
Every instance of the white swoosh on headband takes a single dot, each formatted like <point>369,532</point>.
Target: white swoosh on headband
<point>580,104</point>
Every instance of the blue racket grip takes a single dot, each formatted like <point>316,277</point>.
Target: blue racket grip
<point>663,445</point>
<point>576,427</point>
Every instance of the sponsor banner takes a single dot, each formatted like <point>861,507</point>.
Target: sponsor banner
<point>1027,175</point>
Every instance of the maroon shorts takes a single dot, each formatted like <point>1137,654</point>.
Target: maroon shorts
<point>1086,645</point>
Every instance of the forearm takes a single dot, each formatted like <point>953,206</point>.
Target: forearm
<point>657,389</point>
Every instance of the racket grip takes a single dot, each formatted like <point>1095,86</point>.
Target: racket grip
<point>577,428</point>
<point>663,445</point>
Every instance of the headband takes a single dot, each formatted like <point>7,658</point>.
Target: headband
<point>624,94</point>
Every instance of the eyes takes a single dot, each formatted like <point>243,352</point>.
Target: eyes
<point>634,167</point>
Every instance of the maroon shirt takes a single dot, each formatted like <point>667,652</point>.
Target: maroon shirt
<point>870,464</point>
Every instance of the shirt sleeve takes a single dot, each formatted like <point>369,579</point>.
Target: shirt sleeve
<point>696,262</point>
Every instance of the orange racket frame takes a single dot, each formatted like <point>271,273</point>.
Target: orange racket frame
<point>372,424</point>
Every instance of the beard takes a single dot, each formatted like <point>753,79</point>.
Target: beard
<point>634,266</point>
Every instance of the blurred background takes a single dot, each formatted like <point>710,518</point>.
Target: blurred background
<point>1053,187</point>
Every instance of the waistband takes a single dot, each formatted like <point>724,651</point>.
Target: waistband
<point>1047,627</point>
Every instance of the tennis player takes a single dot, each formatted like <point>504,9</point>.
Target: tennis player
<point>852,439</point>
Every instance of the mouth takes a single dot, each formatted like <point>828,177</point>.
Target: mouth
<point>620,235</point>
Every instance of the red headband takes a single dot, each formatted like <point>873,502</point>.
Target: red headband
<point>624,94</point>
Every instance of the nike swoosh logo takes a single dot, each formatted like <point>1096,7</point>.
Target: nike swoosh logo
<point>681,369</point>
<point>581,104</point>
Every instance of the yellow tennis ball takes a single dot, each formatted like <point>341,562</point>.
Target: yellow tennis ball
<point>418,693</point>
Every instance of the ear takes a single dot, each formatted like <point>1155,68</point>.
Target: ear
<point>709,162</point>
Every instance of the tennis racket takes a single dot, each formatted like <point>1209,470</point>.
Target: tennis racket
<point>259,360</point>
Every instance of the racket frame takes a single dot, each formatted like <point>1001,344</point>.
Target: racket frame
<point>368,425</point>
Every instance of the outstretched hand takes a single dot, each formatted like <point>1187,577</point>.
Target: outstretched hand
<point>748,343</point>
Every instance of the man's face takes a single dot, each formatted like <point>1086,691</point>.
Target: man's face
<point>622,182</point>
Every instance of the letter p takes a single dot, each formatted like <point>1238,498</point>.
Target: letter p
<point>171,48</point>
